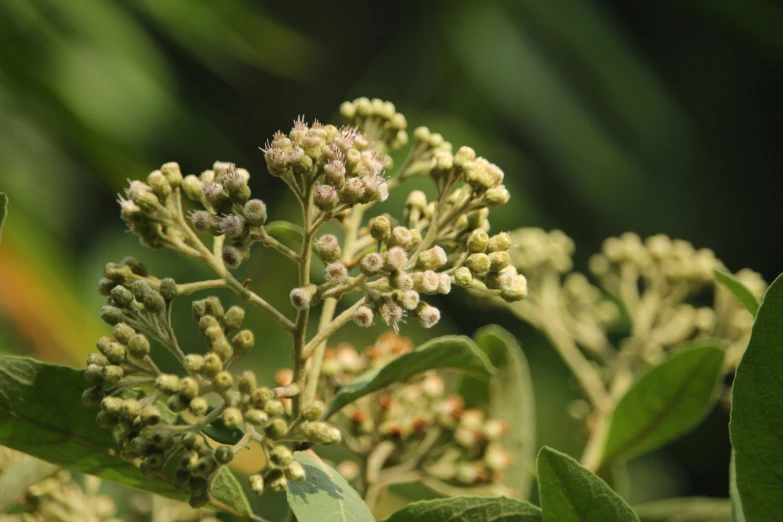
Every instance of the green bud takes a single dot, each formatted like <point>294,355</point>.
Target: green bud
<point>192,187</point>
<point>112,375</point>
<point>214,333</point>
<point>328,248</point>
<point>232,417</point>
<point>247,382</point>
<point>276,429</point>
<point>105,420</point>
<point>295,472</point>
<point>257,484</point>
<point>176,403</point>
<point>194,362</point>
<point>212,365</point>
<point>497,196</point>
<point>205,466</point>
<point>111,315</point>
<point>117,273</point>
<point>224,455</point>
<point>111,405</point>
<point>380,228</point>
<point>105,286</point>
<point>463,277</point>
<point>130,409</point>
<point>464,155</point>
<point>198,500</point>
<point>499,242</point>
<point>121,296</point>
<point>223,381</point>
<point>313,411</point>
<point>199,309</point>
<point>234,317</point>
<point>207,322</point>
<point>255,212</point>
<point>498,260</point>
<point>181,480</point>
<point>96,358</point>
<point>152,465</point>
<point>274,408</point>
<point>281,456</point>
<point>198,406</point>
<point>244,341</point>
<point>93,396</point>
<point>278,484</point>
<point>433,258</point>
<point>321,432</point>
<point>160,185</point>
<point>139,346</point>
<point>154,302</point>
<point>150,415</point>
<point>214,307</point>
<point>114,352</point>
<point>136,266</point>
<point>168,289</point>
<point>140,289</point>
<point>188,388</point>
<point>188,460</point>
<point>192,441</point>
<point>123,333</point>
<point>222,349</point>
<point>94,374</point>
<point>478,241</point>
<point>256,417</point>
<point>260,397</point>
<point>167,383</point>
<point>478,264</point>
<point>172,173</point>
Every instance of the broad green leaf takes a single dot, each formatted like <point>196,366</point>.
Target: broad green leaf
<point>41,414</point>
<point>285,231</point>
<point>756,424</point>
<point>467,509</point>
<point>3,212</point>
<point>508,395</point>
<point>571,493</point>
<point>324,495</point>
<point>20,475</point>
<point>451,351</point>
<point>664,403</point>
<point>688,509</point>
<point>739,290</point>
<point>736,503</point>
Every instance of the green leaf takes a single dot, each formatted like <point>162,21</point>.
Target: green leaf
<point>20,475</point>
<point>467,509</point>
<point>571,493</point>
<point>756,424</point>
<point>664,403</point>
<point>285,231</point>
<point>508,395</point>
<point>736,503</point>
<point>219,432</point>
<point>41,414</point>
<point>689,509</point>
<point>324,495</point>
<point>3,212</point>
<point>451,351</point>
<point>739,290</point>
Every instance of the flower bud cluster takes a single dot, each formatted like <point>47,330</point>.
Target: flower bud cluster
<point>379,121</point>
<point>457,445</point>
<point>489,262</point>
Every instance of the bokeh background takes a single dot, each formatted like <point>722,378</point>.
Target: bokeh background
<point>606,116</point>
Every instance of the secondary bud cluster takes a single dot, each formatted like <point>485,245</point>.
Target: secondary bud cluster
<point>379,121</point>
<point>457,445</point>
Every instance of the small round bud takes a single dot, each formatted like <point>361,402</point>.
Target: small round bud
<point>111,315</point>
<point>207,322</point>
<point>247,382</point>
<point>97,359</point>
<point>233,226</point>
<point>348,110</point>
<point>204,468</point>
<point>395,258</point>
<point>417,199</point>
<point>214,334</point>
<point>192,187</point>
<point>234,317</point>
<point>276,429</point>
<point>478,264</point>
<point>114,352</point>
<point>364,316</point>
<point>105,286</point>
<point>140,289</point>
<point>168,289</point>
<point>223,381</point>
<point>123,333</point>
<point>400,236</point>
<point>150,415</point>
<point>499,242</point>
<point>295,472</point>
<point>188,388</point>
<point>167,383</point>
<point>328,248</point>
<point>464,155</point>
<point>260,397</point>
<point>426,282</point>
<point>192,441</point>
<point>203,221</point>
<point>281,456</point>
<point>274,408</point>
<point>325,197</point>
<point>257,484</point>
<point>371,264</point>
<point>380,228</point>
<point>255,212</point>
<point>154,302</point>
<point>243,341</point>
<point>432,259</point>
<point>212,365</point>
<point>224,455</point>
<point>444,286</point>
<point>400,280</point>
<point>176,403</point>
<point>232,417</point>
<point>498,260</point>
<point>130,409</point>
<point>214,307</point>
<point>93,396</point>
<point>232,257</point>
<point>321,432</point>
<point>121,296</point>
<point>300,298</point>
<point>478,241</point>
<point>278,484</point>
<point>194,362</point>
<point>256,417</point>
<point>112,375</point>
<point>94,374</point>
<point>463,277</point>
<point>313,410</point>
<point>139,346</point>
<point>497,196</point>
<point>428,316</point>
<point>198,406</point>
<point>408,299</point>
<point>336,272</point>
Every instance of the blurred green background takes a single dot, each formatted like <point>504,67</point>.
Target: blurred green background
<point>606,116</point>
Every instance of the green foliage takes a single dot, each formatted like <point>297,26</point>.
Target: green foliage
<point>664,403</point>
<point>688,509</point>
<point>736,287</point>
<point>467,509</point>
<point>508,395</point>
<point>451,351</point>
<point>285,231</point>
<point>3,211</point>
<point>324,494</point>
<point>42,415</point>
<point>571,493</point>
<point>757,414</point>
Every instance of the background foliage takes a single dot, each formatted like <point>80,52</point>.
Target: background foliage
<point>605,115</point>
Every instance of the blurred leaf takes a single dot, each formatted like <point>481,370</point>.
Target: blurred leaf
<point>324,494</point>
<point>450,351</point>
<point>571,493</point>
<point>467,509</point>
<point>740,291</point>
<point>41,414</point>
<point>756,424</point>
<point>509,396</point>
<point>285,231</point>
<point>689,509</point>
<point>20,475</point>
<point>3,212</point>
<point>665,402</point>
<point>736,503</point>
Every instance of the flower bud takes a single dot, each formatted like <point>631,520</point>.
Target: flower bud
<point>313,410</point>
<point>247,382</point>
<point>518,291</point>
<point>276,429</point>
<point>417,199</point>
<point>426,282</point>
<point>233,226</point>
<point>94,374</point>
<point>478,241</point>
<point>232,417</point>
<point>336,272</point>
<point>334,173</point>
<point>193,187</point>
<point>224,455</point>
<point>139,346</point>
<point>395,258</point>
<point>105,286</point>
<point>260,397</point>
<point>188,388</point>
<point>97,359</point>
<point>400,280</point>
<point>364,316</point>
<point>444,286</point>
<point>478,264</point>
<point>400,236</point>
<point>257,484</point>
<point>159,185</point>
<point>278,483</point>
<point>380,228</point>
<point>114,352</point>
<point>212,365</point>
<point>198,406</point>
<point>150,415</point>
<point>199,309</point>
<point>167,383</point>
<point>121,296</point>
<point>234,317</point>
<point>123,333</point>
<point>321,432</point>
<point>281,456</point>
<point>302,297</point>
<point>210,323</point>
<point>232,257</point>
<point>111,315</point>
<point>325,197</point>
<point>117,273</point>
<point>154,302</point>
<point>254,212</point>
<point>497,196</point>
<point>428,316</point>
<point>93,396</point>
<point>328,248</point>
<point>295,472</point>
<point>498,260</point>
<point>499,242</point>
<point>408,299</point>
<point>203,221</point>
<point>205,467</point>
<point>371,264</point>
<point>432,259</point>
<point>168,289</point>
<point>194,362</point>
<point>256,417</point>
<point>464,155</point>
<point>223,381</point>
<point>112,375</point>
<point>243,341</point>
<point>274,408</point>
<point>172,173</point>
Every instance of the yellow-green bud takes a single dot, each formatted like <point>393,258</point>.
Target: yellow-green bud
<point>130,409</point>
<point>478,241</point>
<point>193,187</point>
<point>400,236</point>
<point>255,212</point>
<point>321,432</point>
<point>328,248</point>
<point>371,264</point>
<point>464,155</point>
<point>214,334</point>
<point>172,173</point>
<point>94,374</point>
<point>232,417</point>
<point>260,397</point>
<point>276,429</point>
<point>302,297</point>
<point>188,388</point>
<point>478,264</point>
<point>417,199</point>
<point>114,352</point>
<point>198,406</point>
<point>243,341</point>
<point>281,456</point>
<point>497,196</point>
<point>222,349</point>
<point>168,289</point>
<point>380,228</point>
<point>188,460</point>
<point>150,415</point>
<point>111,315</point>
<point>140,289</point>
<point>154,302</point>
<point>167,383</point>
<point>204,468</point>
<point>463,277</point>
<point>257,484</point>
<point>498,260</point>
<point>295,472</point>
<point>313,410</point>
<point>112,375</point>
<point>212,365</point>
<point>499,242</point>
<point>432,259</point>
<point>194,362</point>
<point>121,296</point>
<point>123,333</point>
<point>192,441</point>
<point>256,417</point>
<point>247,382</point>
<point>139,346</point>
<point>176,403</point>
<point>234,317</point>
<point>223,381</point>
<point>274,408</point>
<point>224,455</point>
<point>97,359</point>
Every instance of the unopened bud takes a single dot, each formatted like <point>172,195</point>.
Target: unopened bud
<point>192,187</point>
<point>295,472</point>
<point>243,341</point>
<point>432,259</point>
<point>499,242</point>
<point>154,302</point>
<point>380,228</point>
<point>364,316</point>
<point>139,346</point>
<point>276,429</point>
<point>478,264</point>
<point>328,248</point>
<point>232,417</point>
<point>478,241</point>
